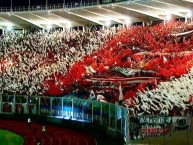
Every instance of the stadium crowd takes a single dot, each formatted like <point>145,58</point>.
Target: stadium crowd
<point>53,62</point>
<point>29,60</point>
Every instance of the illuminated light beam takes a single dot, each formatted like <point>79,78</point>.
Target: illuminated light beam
<point>36,15</point>
<point>142,12</point>
<point>163,10</point>
<point>14,24</point>
<point>40,26</point>
<point>113,19</point>
<point>92,20</point>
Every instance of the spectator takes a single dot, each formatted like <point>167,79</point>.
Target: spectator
<point>29,122</point>
<point>43,130</point>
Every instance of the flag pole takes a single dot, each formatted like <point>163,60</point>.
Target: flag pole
<point>29,5</point>
<point>164,129</point>
<point>11,5</point>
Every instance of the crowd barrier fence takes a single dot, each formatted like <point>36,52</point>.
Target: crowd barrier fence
<point>111,116</point>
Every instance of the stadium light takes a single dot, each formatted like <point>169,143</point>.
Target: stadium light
<point>9,27</point>
<point>68,25</point>
<point>49,26</point>
<point>189,14</point>
<point>108,23</point>
<point>168,17</point>
<point>127,21</point>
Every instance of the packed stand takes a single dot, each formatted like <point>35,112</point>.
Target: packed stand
<point>59,62</point>
<point>31,61</point>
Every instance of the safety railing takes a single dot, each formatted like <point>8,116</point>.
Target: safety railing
<point>49,7</point>
<point>112,116</point>
<point>157,129</point>
<point>60,6</point>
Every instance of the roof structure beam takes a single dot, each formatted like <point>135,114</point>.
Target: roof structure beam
<point>107,18</point>
<point>36,15</point>
<point>12,22</point>
<point>92,20</point>
<point>191,1</point>
<point>142,12</point>
<point>65,19</point>
<point>161,9</point>
<point>40,26</point>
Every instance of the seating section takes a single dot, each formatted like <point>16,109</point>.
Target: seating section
<point>53,136</point>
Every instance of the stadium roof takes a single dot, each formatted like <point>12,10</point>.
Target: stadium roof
<point>88,13</point>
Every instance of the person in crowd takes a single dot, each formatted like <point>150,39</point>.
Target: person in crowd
<point>43,130</point>
<point>29,122</point>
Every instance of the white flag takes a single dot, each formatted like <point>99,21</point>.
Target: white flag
<point>164,59</point>
<point>92,95</point>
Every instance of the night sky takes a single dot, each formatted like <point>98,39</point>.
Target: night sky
<point>7,3</point>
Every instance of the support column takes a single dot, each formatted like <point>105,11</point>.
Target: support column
<point>62,107</point>
<point>1,102</point>
<point>13,106</point>
<point>46,4</point>
<point>27,100</point>
<point>109,115</point>
<point>50,106</point>
<point>143,24</point>
<point>186,20</point>
<point>165,22</point>
<point>127,130</point>
<point>92,112</point>
<point>101,113</point>
<point>64,4</point>
<point>116,105</point>
<point>83,29</point>
<point>82,109</point>
<point>39,99</point>
<point>11,5</point>
<point>29,5</point>
<point>72,108</point>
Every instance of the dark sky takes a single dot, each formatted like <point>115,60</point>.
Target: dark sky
<point>7,3</point>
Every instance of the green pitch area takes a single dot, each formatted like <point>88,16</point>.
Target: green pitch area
<point>10,138</point>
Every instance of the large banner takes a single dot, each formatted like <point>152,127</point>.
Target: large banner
<point>154,119</point>
<point>149,126</point>
<point>154,125</point>
<point>130,72</point>
<point>180,123</point>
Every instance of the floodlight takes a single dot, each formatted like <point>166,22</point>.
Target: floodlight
<point>49,26</point>
<point>68,25</point>
<point>189,14</point>
<point>168,17</point>
<point>108,23</point>
<point>127,21</point>
<point>9,28</point>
